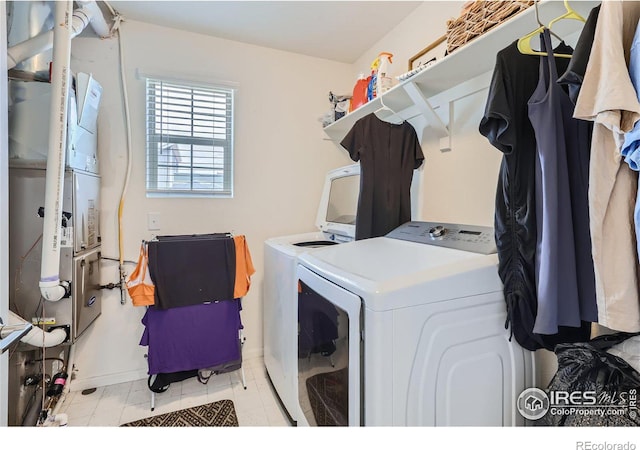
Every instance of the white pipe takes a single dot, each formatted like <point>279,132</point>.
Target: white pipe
<point>56,420</point>
<point>37,336</point>
<point>89,14</point>
<point>98,23</point>
<point>51,287</point>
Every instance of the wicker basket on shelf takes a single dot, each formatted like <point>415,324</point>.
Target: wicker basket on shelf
<point>479,16</point>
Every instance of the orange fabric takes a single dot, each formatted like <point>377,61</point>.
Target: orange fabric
<point>244,267</point>
<point>139,285</point>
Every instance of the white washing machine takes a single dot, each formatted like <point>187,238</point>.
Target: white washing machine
<point>408,330</point>
<point>336,225</point>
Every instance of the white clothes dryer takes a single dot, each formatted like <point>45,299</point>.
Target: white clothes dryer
<point>336,224</point>
<point>408,330</point>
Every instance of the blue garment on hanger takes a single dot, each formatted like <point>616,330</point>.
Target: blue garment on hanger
<point>631,148</point>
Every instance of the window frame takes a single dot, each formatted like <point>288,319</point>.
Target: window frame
<point>153,138</point>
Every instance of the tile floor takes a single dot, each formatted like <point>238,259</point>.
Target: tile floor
<point>111,406</point>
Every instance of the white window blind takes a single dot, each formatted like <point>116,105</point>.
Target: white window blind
<point>189,139</point>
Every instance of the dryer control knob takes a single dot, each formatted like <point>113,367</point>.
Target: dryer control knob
<point>437,231</point>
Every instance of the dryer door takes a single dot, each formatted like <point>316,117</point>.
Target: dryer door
<point>329,353</point>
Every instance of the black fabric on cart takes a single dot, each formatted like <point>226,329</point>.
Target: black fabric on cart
<point>184,237</point>
<point>192,270</point>
<point>160,382</point>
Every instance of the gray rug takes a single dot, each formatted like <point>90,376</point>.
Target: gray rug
<point>217,414</point>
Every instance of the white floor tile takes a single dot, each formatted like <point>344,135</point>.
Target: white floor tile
<point>140,385</point>
<point>257,406</point>
<point>191,400</point>
<point>249,401</point>
<point>222,394</point>
<point>79,421</point>
<point>256,417</point>
<point>78,410</point>
<point>139,397</point>
<point>276,417</point>
<point>135,412</point>
<point>106,418</point>
<point>93,397</point>
<point>164,405</point>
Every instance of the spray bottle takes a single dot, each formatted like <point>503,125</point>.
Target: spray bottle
<point>372,89</point>
<point>383,79</point>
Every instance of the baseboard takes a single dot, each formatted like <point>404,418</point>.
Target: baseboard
<point>107,380</point>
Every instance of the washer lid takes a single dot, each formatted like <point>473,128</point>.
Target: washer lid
<point>339,202</point>
<point>390,273</point>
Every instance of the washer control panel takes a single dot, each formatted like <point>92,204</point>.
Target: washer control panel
<point>470,238</point>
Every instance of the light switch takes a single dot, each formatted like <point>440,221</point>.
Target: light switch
<point>153,221</point>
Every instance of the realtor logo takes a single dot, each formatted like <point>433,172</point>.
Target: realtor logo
<point>533,403</point>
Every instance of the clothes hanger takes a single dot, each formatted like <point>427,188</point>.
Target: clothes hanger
<point>386,108</point>
<point>569,14</point>
<point>524,43</point>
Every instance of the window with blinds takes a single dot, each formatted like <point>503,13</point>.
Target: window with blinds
<point>189,139</point>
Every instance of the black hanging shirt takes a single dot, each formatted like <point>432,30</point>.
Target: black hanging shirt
<point>388,154</point>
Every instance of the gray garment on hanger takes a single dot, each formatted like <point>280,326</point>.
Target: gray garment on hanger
<point>564,268</point>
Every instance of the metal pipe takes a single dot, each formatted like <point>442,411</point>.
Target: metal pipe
<point>51,287</point>
<point>33,413</point>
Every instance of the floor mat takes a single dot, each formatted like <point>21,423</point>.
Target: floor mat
<point>216,414</point>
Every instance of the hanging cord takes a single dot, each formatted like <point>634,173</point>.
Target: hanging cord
<point>126,180</point>
<point>116,28</point>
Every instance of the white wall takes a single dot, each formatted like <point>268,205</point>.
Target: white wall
<point>422,27</point>
<point>280,160</point>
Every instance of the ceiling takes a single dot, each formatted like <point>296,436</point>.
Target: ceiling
<point>337,30</point>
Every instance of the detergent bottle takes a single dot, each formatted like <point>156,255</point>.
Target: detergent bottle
<point>372,90</point>
<point>359,96</point>
<point>384,80</point>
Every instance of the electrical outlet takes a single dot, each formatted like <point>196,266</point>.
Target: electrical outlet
<point>153,221</point>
